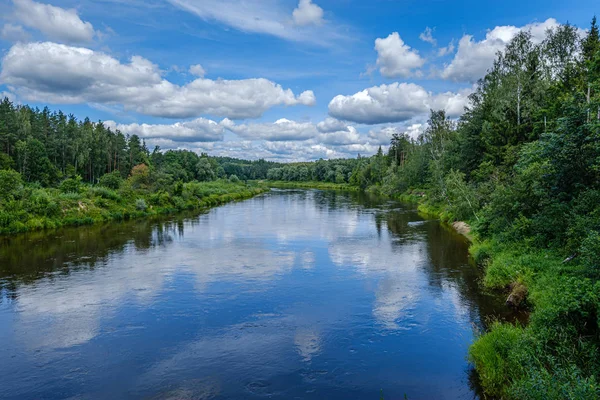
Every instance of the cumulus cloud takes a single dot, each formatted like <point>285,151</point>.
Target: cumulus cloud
<point>330,131</point>
<point>14,33</point>
<point>54,22</point>
<point>331,125</point>
<point>198,130</point>
<point>307,13</point>
<point>396,102</point>
<point>427,36</point>
<point>288,151</point>
<point>383,136</point>
<point>197,70</point>
<point>346,136</point>
<point>280,130</point>
<point>56,73</point>
<point>474,58</point>
<point>395,58</point>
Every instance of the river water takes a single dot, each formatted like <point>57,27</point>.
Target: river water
<point>294,294</point>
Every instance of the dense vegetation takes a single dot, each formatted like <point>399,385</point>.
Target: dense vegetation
<point>55,170</point>
<point>522,165</point>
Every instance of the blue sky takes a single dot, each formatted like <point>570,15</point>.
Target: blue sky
<point>276,79</point>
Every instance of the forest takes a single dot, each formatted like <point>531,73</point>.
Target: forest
<point>521,166</point>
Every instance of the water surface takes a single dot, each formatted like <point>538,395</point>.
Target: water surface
<point>295,294</point>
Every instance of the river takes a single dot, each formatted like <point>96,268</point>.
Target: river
<point>293,294</point>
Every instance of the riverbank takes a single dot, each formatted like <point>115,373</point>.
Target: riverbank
<point>33,208</point>
<point>555,354</point>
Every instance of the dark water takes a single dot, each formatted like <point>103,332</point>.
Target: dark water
<point>290,295</point>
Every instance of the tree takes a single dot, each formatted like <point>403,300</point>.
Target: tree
<point>204,170</point>
<point>36,165</point>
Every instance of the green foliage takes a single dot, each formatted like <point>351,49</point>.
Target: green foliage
<point>234,179</point>
<point>71,185</point>
<point>205,170</point>
<point>112,180</point>
<point>499,358</point>
<point>140,205</point>
<point>590,253</point>
<point>10,184</point>
<point>105,193</point>
<point>463,199</point>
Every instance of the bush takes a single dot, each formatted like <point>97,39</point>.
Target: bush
<point>41,203</point>
<point>10,183</point>
<point>112,180</point>
<point>71,185</point>
<point>140,205</point>
<point>104,193</point>
<point>140,176</point>
<point>234,179</point>
<point>160,198</point>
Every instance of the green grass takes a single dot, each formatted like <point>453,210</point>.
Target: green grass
<point>34,209</point>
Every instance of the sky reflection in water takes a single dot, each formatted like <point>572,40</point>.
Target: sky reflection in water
<point>293,294</point>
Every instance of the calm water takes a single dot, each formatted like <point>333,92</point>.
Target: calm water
<point>290,295</point>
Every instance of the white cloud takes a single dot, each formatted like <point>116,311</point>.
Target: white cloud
<point>280,130</point>
<point>11,97</point>
<point>14,33</point>
<point>55,73</point>
<point>346,136</point>
<point>396,102</point>
<point>283,151</point>
<point>384,135</point>
<point>270,17</point>
<point>54,22</point>
<point>329,132</point>
<point>474,58</point>
<point>443,51</point>
<point>307,13</point>
<point>395,58</point>
<point>331,125</point>
<point>198,130</point>
<point>197,70</point>
<point>427,36</point>
<point>414,130</point>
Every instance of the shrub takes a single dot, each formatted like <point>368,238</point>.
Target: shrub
<point>178,190</point>
<point>140,205</point>
<point>71,185</point>
<point>140,176</point>
<point>41,203</point>
<point>234,179</point>
<point>112,180</point>
<point>10,183</point>
<point>104,193</point>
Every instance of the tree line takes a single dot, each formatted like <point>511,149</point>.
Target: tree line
<point>47,147</point>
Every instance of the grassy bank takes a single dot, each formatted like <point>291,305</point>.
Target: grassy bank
<point>310,185</point>
<point>31,207</point>
<point>556,354</point>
